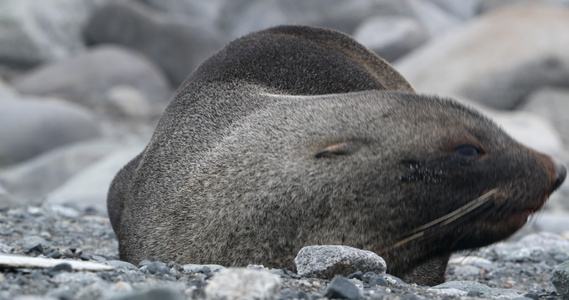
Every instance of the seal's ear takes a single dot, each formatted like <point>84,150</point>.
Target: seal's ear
<point>337,149</point>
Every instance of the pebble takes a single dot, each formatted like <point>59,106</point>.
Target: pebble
<point>156,267</point>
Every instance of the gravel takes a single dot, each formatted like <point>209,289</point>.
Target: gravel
<point>505,271</point>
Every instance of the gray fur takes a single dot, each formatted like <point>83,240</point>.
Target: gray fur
<point>230,176</point>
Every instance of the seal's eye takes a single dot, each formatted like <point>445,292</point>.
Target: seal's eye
<point>468,151</point>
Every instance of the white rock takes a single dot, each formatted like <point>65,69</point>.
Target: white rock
<point>126,101</point>
<point>240,283</point>
<point>17,261</point>
<point>530,130</point>
<point>552,104</point>
<point>544,241</point>
<point>330,260</point>
<point>89,187</point>
<point>390,37</point>
<point>497,59</point>
<point>39,175</point>
<point>435,20</point>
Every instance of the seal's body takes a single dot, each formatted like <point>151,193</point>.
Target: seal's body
<point>297,136</point>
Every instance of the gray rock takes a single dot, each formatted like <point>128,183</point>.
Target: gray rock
<point>6,91</point>
<point>206,11</point>
<point>86,78</point>
<point>552,104</point>
<point>123,101</point>
<point>193,268</point>
<point>390,37</point>
<point>552,222</point>
<point>488,5</point>
<point>29,242</point>
<point>342,288</point>
<point>176,45</point>
<point>152,294</point>
<point>242,17</point>
<point>531,130</point>
<point>475,288</point>
<point>32,126</point>
<point>464,9</point>
<point>7,201</point>
<point>477,61</point>
<point>434,19</point>
<point>37,31</point>
<point>239,283</point>
<point>560,279</point>
<point>35,177</point>
<point>156,267</point>
<point>239,17</point>
<point>88,188</point>
<point>328,261</point>
<point>544,241</point>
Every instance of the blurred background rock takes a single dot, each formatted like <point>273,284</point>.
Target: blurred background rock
<point>83,83</point>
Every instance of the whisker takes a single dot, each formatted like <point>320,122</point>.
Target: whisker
<point>447,219</point>
<point>461,211</point>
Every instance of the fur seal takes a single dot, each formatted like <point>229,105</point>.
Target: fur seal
<point>297,136</point>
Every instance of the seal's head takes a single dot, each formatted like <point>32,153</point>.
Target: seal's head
<point>410,177</point>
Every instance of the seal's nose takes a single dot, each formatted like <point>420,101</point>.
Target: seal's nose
<point>560,173</point>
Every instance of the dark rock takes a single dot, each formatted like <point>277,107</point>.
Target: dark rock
<point>341,288</point>
<point>376,280</point>
<point>357,275</point>
<point>34,243</point>
<point>560,279</point>
<point>153,294</point>
<point>86,78</point>
<point>63,267</point>
<point>177,45</point>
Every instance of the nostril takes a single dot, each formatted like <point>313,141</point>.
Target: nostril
<point>560,173</point>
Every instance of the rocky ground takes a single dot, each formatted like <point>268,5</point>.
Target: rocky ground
<point>83,83</point>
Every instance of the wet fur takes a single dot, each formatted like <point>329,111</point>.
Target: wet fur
<point>300,136</point>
